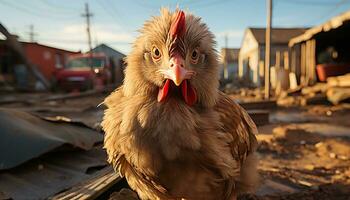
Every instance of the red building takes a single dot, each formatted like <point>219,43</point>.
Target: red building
<point>47,59</point>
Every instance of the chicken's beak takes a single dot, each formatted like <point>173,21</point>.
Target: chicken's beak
<point>176,71</point>
<point>178,74</point>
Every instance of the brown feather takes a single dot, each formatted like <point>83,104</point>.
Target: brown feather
<point>170,150</point>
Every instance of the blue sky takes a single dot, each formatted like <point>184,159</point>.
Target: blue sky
<point>59,23</point>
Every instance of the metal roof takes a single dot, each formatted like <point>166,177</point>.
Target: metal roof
<point>278,35</point>
<point>51,174</point>
<point>50,145</point>
<point>25,136</point>
<point>108,50</point>
<point>333,23</point>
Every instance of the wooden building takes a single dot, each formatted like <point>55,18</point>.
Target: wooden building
<point>325,47</point>
<point>252,53</point>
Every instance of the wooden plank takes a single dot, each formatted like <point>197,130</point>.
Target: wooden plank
<point>261,105</point>
<point>286,60</point>
<point>314,100</point>
<point>302,66</point>
<point>260,117</point>
<point>338,94</point>
<point>339,81</point>
<point>307,63</point>
<point>294,61</point>
<point>92,188</point>
<point>278,59</point>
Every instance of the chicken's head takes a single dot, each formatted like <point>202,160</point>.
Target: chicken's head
<point>174,57</point>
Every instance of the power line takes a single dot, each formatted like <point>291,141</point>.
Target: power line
<point>61,8</point>
<point>119,14</point>
<point>30,11</point>
<point>43,6</point>
<point>193,4</point>
<point>324,15</point>
<point>203,4</point>
<point>111,13</point>
<point>106,9</point>
<point>329,12</point>
<point>309,3</point>
<point>69,41</point>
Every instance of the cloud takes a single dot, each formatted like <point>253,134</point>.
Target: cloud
<point>103,32</point>
<point>74,37</point>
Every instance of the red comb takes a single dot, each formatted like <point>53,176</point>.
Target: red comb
<point>178,27</point>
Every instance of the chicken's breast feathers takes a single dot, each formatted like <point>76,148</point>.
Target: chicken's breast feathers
<point>236,121</point>
<point>114,143</point>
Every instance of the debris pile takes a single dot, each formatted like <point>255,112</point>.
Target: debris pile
<point>335,91</point>
<point>247,94</point>
<point>50,144</point>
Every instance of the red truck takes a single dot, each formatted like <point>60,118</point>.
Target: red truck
<point>84,72</point>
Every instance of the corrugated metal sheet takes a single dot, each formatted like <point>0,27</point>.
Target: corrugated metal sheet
<point>50,174</point>
<point>90,117</point>
<point>25,136</point>
<point>49,147</point>
<point>333,23</point>
<point>95,188</point>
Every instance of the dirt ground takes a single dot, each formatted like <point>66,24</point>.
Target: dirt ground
<point>304,152</point>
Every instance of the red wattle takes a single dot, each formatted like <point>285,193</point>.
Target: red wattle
<point>188,93</point>
<point>163,92</point>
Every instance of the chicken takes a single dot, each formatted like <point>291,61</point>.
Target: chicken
<point>168,129</point>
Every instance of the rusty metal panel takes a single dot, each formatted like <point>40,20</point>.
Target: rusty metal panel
<point>25,136</point>
<point>51,174</point>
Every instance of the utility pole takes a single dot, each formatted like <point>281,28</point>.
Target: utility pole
<point>225,59</point>
<point>31,33</point>
<point>87,15</point>
<point>268,48</point>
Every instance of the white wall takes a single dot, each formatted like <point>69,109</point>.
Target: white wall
<point>248,58</point>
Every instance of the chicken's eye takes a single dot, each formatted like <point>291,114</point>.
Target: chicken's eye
<point>194,56</point>
<point>156,53</point>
